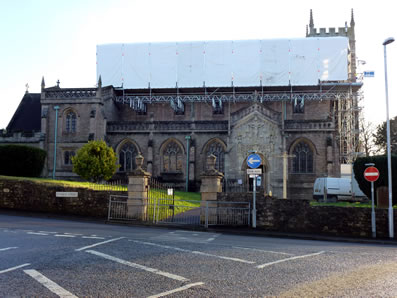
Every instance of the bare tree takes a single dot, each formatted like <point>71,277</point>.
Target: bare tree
<point>380,138</point>
<point>367,131</point>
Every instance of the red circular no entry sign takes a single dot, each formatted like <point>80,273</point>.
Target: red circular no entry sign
<point>371,174</point>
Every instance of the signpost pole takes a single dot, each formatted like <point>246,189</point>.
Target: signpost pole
<point>253,162</point>
<point>373,220</point>
<point>371,174</point>
<point>254,204</point>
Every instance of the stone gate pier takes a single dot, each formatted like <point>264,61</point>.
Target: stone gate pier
<point>210,187</point>
<point>138,189</point>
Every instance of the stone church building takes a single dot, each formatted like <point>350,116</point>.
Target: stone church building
<point>301,131</point>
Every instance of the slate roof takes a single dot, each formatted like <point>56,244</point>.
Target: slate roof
<point>27,117</point>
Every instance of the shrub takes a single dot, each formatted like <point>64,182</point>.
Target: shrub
<point>380,162</point>
<point>22,161</point>
<point>95,161</point>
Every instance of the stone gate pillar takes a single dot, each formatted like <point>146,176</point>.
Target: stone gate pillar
<point>138,188</point>
<point>210,186</point>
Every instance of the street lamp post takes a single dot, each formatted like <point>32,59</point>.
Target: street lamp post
<point>56,108</point>
<point>391,224</point>
<point>187,138</point>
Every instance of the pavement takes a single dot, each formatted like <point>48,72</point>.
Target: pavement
<point>248,231</point>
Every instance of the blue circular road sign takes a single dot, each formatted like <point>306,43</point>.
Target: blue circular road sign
<point>254,161</point>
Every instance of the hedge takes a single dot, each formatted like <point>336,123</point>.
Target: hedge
<point>17,160</point>
<point>380,162</point>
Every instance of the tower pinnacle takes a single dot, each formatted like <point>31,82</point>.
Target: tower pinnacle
<point>311,23</point>
<point>42,83</point>
<point>352,23</point>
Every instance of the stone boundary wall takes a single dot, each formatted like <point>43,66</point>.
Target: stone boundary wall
<point>31,196</point>
<point>297,216</point>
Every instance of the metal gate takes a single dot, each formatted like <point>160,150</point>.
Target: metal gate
<point>162,207</point>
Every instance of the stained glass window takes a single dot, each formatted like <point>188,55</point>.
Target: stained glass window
<point>127,156</point>
<point>217,149</point>
<point>172,158</point>
<point>303,160</point>
<point>71,122</point>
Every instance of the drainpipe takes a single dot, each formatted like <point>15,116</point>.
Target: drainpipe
<point>187,161</point>
<point>56,108</point>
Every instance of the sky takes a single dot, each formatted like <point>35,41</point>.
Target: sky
<point>57,39</point>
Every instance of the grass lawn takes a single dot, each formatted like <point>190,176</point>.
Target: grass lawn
<point>342,204</point>
<point>74,184</point>
<point>346,204</point>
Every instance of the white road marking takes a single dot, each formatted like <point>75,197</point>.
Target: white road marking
<point>137,266</point>
<point>92,237</point>
<point>48,232</point>
<point>35,233</point>
<point>49,284</point>
<point>262,250</point>
<point>8,248</point>
<point>213,237</point>
<point>67,236</point>
<point>289,259</point>
<point>14,268</point>
<point>180,235</point>
<point>99,243</point>
<point>73,234</point>
<point>177,290</point>
<point>194,252</point>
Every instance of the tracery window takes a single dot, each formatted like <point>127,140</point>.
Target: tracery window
<point>71,122</point>
<point>303,160</point>
<point>67,157</point>
<point>217,149</point>
<point>127,156</point>
<point>172,158</point>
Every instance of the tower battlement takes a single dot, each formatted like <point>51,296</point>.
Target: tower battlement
<point>347,31</point>
<point>341,31</point>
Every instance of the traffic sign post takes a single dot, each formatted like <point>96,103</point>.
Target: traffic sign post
<point>253,162</point>
<point>254,171</point>
<point>371,174</point>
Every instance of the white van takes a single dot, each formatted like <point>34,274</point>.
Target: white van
<point>336,189</point>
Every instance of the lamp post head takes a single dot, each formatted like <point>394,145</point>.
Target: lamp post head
<point>388,40</point>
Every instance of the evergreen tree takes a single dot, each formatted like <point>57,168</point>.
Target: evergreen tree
<point>95,161</point>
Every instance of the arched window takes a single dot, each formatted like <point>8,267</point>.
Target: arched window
<point>303,160</point>
<point>172,158</point>
<point>71,122</point>
<point>127,156</point>
<point>217,149</point>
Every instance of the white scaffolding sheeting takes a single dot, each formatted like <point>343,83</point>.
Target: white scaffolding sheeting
<point>278,62</point>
